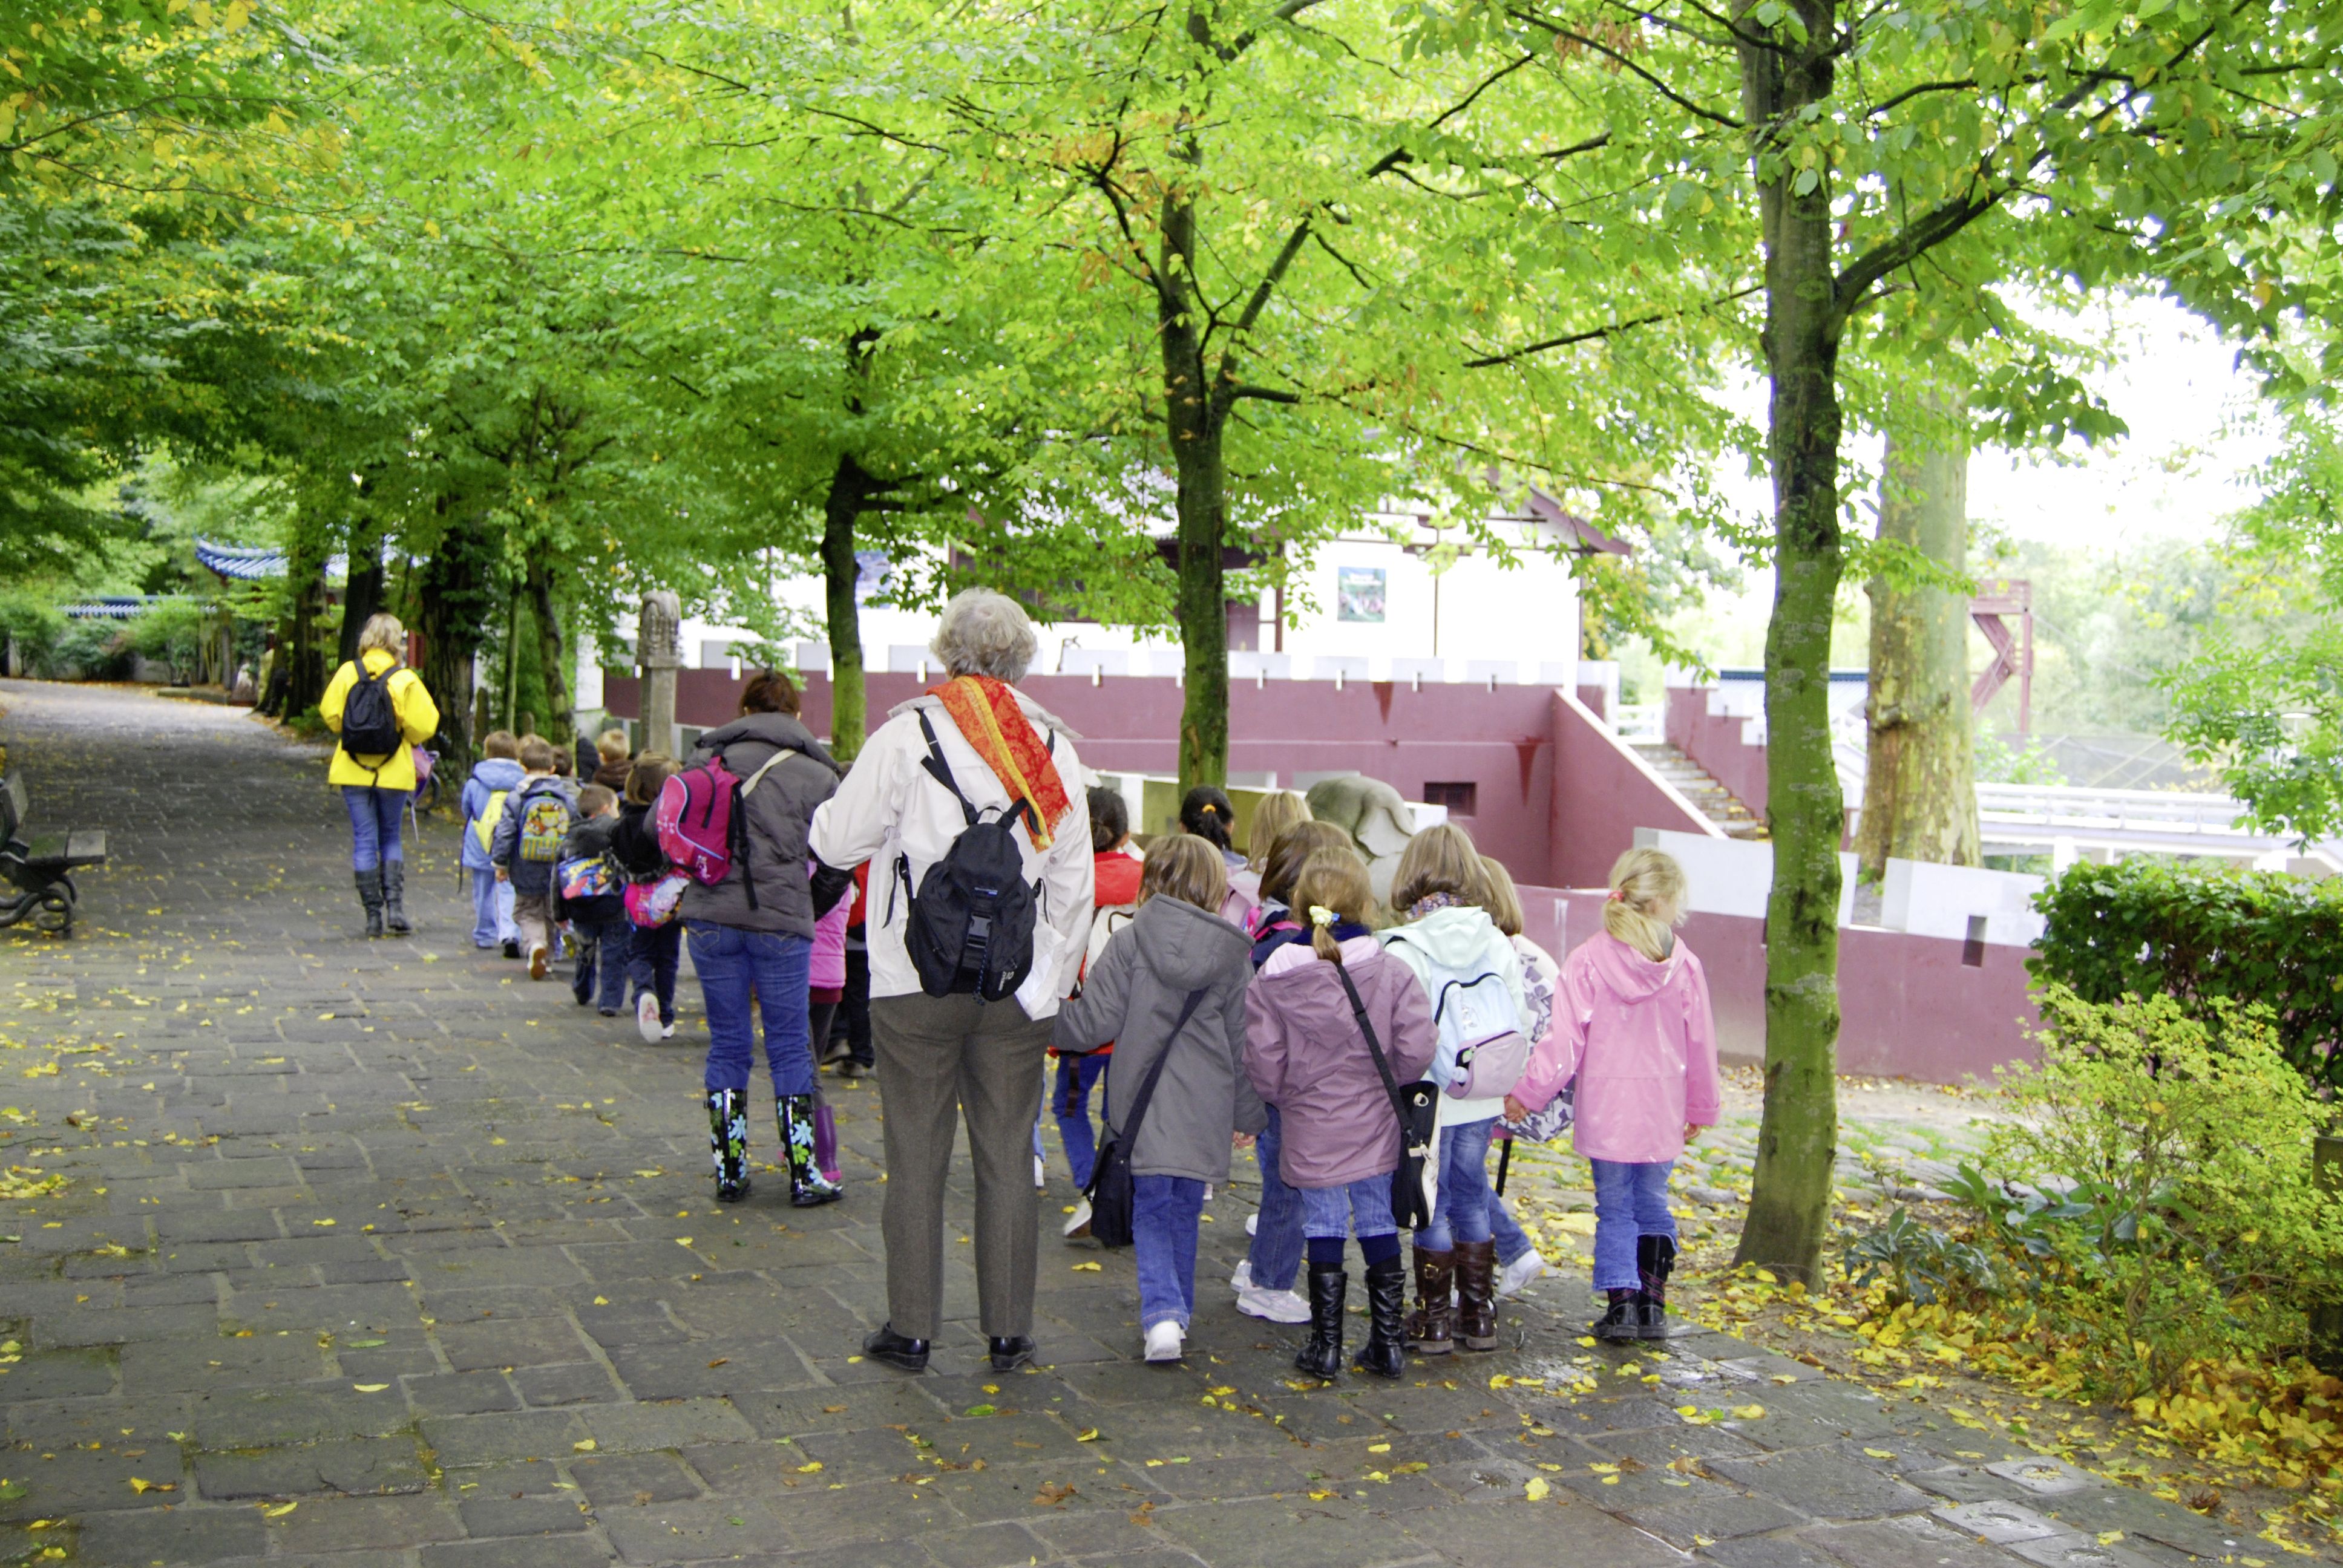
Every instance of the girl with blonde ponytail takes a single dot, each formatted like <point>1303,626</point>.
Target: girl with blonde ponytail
<point>1339,1136</point>
<point>1632,1024</point>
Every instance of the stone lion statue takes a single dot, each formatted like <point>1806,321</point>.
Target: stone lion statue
<point>1376,818</point>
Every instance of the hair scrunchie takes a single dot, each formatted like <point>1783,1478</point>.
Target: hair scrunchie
<point>1616,896</point>
<point>1320,915</point>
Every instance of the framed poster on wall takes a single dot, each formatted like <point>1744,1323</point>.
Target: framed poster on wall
<point>1359,593</point>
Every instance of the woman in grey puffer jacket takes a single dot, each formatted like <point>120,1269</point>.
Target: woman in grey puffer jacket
<point>1171,988</point>
<point>762,945</point>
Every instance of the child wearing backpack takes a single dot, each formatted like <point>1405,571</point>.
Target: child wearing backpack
<point>527,842</point>
<point>1307,1054</point>
<point>1473,976</point>
<point>654,949</point>
<point>1169,992</point>
<point>494,778</point>
<point>1263,1281</point>
<point>1633,1025</point>
<point>586,893</point>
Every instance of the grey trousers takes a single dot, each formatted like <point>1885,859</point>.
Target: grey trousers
<point>937,1055</point>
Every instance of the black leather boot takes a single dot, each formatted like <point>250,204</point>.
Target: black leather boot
<point>394,893</point>
<point>1623,1320</point>
<point>808,1188</point>
<point>370,897</point>
<point>1656,1260</point>
<point>1431,1325</point>
<point>727,1140</point>
<point>884,1345</point>
<point>1385,1352</point>
<point>1321,1354</point>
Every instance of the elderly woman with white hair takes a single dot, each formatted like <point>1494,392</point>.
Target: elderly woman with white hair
<point>971,751</point>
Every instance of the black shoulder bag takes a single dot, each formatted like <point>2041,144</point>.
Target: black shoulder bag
<point>1110,1191</point>
<point>1417,1106</point>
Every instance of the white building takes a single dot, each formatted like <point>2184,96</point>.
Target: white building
<point>1395,599</point>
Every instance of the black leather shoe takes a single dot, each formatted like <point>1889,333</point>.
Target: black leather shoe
<point>1010,1354</point>
<point>896,1350</point>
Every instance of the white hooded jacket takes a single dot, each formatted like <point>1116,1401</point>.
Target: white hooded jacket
<point>887,809</point>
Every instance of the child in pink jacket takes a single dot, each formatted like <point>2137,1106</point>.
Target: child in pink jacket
<point>1632,1024</point>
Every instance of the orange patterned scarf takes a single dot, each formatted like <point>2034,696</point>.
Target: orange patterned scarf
<point>989,719</point>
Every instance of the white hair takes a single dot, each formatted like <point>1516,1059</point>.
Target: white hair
<point>985,633</point>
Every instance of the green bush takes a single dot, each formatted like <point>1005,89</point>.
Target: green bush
<point>2143,928</point>
<point>170,631</point>
<point>2155,1202</point>
<point>90,650</point>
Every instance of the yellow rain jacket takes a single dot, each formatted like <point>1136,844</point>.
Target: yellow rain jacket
<point>418,720</point>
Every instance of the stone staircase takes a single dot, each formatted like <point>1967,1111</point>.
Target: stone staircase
<point>1711,799</point>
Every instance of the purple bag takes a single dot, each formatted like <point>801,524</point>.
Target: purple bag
<point>824,1138</point>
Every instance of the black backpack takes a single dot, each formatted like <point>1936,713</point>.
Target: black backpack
<point>970,929</point>
<point>369,717</point>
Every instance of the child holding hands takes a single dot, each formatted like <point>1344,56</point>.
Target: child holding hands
<point>1631,1022</point>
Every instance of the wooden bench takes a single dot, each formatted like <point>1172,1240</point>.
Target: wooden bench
<point>39,869</point>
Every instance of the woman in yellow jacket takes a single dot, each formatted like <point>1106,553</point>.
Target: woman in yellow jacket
<point>375,784</point>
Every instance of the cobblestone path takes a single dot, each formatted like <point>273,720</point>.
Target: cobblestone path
<point>375,1253</point>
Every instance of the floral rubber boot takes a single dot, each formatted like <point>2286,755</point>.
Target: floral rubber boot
<point>808,1188</point>
<point>727,1140</point>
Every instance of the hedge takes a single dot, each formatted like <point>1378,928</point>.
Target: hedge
<point>2143,927</point>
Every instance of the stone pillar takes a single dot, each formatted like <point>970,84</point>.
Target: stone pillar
<point>658,658</point>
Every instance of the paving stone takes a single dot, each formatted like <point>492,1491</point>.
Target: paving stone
<point>2076,1551</point>
<point>357,1468</point>
<point>2002,1524</point>
<point>324,1524</point>
<point>2043,1476</point>
<point>2143,1515</point>
<point>1907,1543</point>
<point>184,1535</point>
<point>634,1479</point>
<point>1821,1484</point>
<point>676,1423</point>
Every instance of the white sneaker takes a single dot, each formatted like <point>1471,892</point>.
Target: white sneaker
<point>1277,1306</point>
<point>1518,1273</point>
<point>1242,1280</point>
<point>1041,1173</point>
<point>666,1031</point>
<point>1253,1224</point>
<point>1165,1342</point>
<point>647,1018</point>
<point>1078,1223</point>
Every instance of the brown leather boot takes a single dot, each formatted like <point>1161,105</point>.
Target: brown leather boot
<point>1476,1295</point>
<point>1429,1325</point>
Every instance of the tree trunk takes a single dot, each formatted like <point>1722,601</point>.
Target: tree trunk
<point>1789,1209</point>
<point>1919,788</point>
<point>512,661</point>
<point>364,595</point>
<point>306,673</point>
<point>1196,418</point>
<point>849,487</point>
<point>452,608</point>
<point>559,727</point>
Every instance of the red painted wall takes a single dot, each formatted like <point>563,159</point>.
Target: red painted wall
<point>1908,1007</point>
<point>1716,745</point>
<point>1602,792</point>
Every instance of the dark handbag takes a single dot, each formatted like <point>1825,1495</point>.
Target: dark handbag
<point>1110,1191</point>
<point>1417,1106</point>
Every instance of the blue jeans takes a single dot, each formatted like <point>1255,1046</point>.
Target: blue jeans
<point>1070,1102</point>
<point>492,903</point>
<point>1363,1207</point>
<point>1461,1213</point>
<point>1275,1255</point>
<point>733,964</point>
<point>653,953</point>
<point>374,824</point>
<point>1163,1224</point>
<point>1629,1201</point>
<point>601,976</point>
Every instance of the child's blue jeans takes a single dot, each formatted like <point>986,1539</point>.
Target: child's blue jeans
<point>374,824</point>
<point>1362,1208</point>
<point>1461,1213</point>
<point>1275,1255</point>
<point>601,976</point>
<point>1071,1104</point>
<point>492,903</point>
<point>735,965</point>
<point>1631,1200</point>
<point>1164,1217</point>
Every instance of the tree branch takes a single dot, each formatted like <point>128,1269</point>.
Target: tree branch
<point>1597,333</point>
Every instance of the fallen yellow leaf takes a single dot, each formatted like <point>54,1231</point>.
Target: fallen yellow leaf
<point>1535,1489</point>
<point>585,1447</point>
<point>369,1387</point>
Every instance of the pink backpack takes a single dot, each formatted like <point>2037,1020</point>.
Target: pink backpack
<point>697,820</point>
